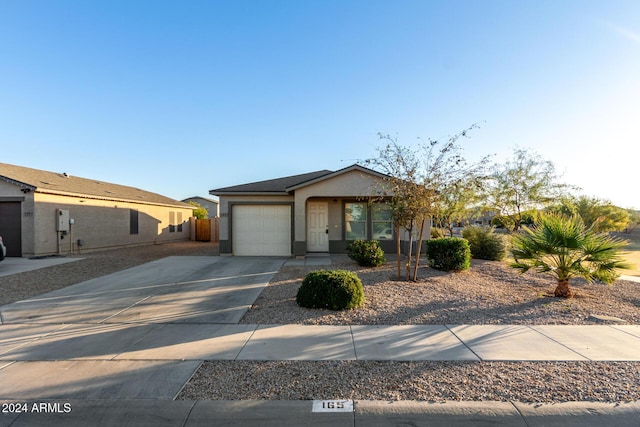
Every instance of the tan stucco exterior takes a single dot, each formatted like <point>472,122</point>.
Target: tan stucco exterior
<point>352,185</point>
<point>101,215</point>
<point>100,224</point>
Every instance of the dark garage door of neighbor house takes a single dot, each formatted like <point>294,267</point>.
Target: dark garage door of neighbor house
<point>11,227</point>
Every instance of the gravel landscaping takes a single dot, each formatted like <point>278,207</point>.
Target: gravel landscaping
<point>429,381</point>
<point>489,293</point>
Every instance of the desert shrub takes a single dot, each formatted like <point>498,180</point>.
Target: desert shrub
<point>332,289</point>
<point>449,254</point>
<point>437,233</point>
<point>366,253</point>
<point>484,243</point>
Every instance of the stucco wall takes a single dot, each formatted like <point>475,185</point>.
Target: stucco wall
<point>9,190</point>
<point>353,184</point>
<point>103,224</point>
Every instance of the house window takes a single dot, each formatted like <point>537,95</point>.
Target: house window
<point>355,218</point>
<point>382,221</point>
<point>172,222</point>
<point>133,221</point>
<point>179,222</point>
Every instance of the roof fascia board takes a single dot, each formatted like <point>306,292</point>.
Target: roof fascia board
<point>337,173</point>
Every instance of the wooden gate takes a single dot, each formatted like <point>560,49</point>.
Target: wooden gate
<point>207,230</point>
<point>203,230</point>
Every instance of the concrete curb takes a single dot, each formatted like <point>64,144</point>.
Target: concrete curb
<point>159,413</point>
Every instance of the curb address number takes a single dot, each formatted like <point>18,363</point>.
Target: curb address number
<point>332,406</point>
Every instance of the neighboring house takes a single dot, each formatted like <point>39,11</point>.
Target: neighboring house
<point>314,212</point>
<point>484,217</point>
<point>43,213</point>
<point>210,205</point>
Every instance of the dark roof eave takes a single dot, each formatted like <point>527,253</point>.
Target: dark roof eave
<point>18,183</point>
<point>249,193</point>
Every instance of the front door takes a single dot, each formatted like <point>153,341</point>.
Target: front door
<point>318,227</point>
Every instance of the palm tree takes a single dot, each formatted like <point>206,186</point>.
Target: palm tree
<point>564,247</point>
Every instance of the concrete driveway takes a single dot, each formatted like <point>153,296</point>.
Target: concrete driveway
<point>140,333</point>
<point>15,265</point>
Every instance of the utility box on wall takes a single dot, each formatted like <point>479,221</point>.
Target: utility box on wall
<point>63,220</point>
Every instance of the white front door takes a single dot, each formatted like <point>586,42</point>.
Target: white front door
<point>318,227</point>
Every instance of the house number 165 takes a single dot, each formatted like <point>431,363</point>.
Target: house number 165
<point>332,406</point>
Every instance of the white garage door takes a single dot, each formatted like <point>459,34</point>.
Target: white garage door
<point>261,230</point>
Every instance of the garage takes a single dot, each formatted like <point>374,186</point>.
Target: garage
<point>261,230</point>
<point>11,227</point>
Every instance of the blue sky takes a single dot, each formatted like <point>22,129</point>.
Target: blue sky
<point>180,97</point>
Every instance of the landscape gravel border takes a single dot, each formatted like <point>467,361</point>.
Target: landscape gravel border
<point>543,382</point>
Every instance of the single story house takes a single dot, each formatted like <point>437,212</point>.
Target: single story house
<point>210,205</point>
<point>319,211</point>
<point>44,213</point>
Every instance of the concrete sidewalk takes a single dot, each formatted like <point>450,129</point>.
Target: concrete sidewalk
<point>21,343</point>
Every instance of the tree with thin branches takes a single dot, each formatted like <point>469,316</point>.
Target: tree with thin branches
<point>523,183</point>
<point>419,178</point>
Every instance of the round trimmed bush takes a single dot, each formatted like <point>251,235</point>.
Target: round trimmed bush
<point>366,253</point>
<point>449,254</point>
<point>484,243</point>
<point>332,289</point>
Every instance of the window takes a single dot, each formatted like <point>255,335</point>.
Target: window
<point>355,218</point>
<point>382,221</point>
<point>179,222</point>
<point>133,221</point>
<point>172,222</point>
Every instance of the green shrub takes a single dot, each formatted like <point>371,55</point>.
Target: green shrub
<point>332,289</point>
<point>449,254</point>
<point>484,243</point>
<point>437,233</point>
<point>366,253</point>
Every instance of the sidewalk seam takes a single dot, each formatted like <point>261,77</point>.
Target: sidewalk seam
<point>622,330</point>
<point>102,322</point>
<point>480,359</point>
<point>558,342</point>
<point>151,332</point>
<point>235,359</point>
<point>353,343</point>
